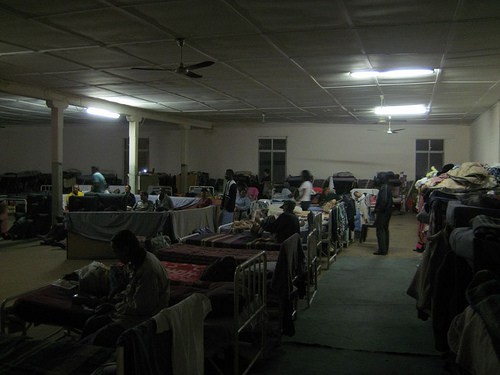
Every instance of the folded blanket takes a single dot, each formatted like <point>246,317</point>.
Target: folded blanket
<point>486,227</point>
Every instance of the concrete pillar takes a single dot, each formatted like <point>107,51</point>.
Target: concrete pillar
<point>133,137</point>
<point>184,157</point>
<point>57,121</point>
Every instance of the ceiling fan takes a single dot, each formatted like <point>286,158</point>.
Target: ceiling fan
<point>390,130</point>
<point>183,69</point>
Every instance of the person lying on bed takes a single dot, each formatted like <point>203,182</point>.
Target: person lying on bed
<point>285,225</point>
<point>147,292</point>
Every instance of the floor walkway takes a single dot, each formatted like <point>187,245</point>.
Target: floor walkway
<point>362,321</point>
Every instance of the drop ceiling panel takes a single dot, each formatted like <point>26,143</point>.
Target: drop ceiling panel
<point>383,12</point>
<point>196,18</point>
<point>189,106</point>
<point>405,61</point>
<point>41,63</point>
<point>108,26</point>
<point>98,58</point>
<point>485,74</point>
<point>39,8</point>
<point>293,14</point>
<point>318,42</point>
<point>471,9</point>
<point>35,36</point>
<point>90,77</point>
<point>163,53</point>
<point>429,38</point>
<point>469,35</point>
<point>239,47</point>
<point>224,105</point>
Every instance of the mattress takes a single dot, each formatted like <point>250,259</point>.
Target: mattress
<point>234,241</point>
<point>201,255</point>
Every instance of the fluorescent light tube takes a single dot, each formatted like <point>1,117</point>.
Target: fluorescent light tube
<point>393,74</point>
<point>406,73</point>
<point>102,112</point>
<point>418,109</point>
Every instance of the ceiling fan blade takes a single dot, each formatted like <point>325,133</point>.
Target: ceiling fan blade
<point>192,75</point>
<point>397,130</point>
<point>203,64</point>
<point>157,69</point>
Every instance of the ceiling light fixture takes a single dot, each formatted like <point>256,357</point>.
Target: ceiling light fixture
<point>102,112</point>
<point>393,74</point>
<point>400,110</point>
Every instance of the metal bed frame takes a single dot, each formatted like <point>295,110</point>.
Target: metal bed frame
<point>313,265</point>
<point>250,281</point>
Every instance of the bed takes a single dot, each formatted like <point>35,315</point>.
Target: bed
<point>23,355</point>
<point>237,308</point>
<point>89,233</point>
<point>202,255</point>
<point>244,240</point>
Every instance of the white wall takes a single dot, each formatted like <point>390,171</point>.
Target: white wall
<point>320,148</point>
<point>485,137</point>
<point>323,149</point>
<point>29,147</point>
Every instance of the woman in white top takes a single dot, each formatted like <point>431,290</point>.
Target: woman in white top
<point>305,190</point>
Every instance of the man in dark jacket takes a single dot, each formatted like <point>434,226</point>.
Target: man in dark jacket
<point>228,198</point>
<point>383,212</point>
<point>285,225</point>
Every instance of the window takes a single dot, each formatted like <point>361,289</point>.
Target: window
<point>429,153</point>
<point>272,156</point>
<point>142,156</point>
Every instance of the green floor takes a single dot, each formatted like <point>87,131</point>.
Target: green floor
<point>361,322</point>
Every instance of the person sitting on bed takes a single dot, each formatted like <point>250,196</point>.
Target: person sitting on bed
<point>147,292</point>
<point>144,204</point>
<point>204,201</point>
<point>128,198</point>
<point>242,204</point>
<point>164,202</point>
<point>285,225</point>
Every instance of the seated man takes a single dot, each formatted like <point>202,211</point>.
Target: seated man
<point>147,292</point>
<point>285,225</point>
<point>144,204</point>
<point>164,202</point>
<point>242,204</point>
<point>128,198</point>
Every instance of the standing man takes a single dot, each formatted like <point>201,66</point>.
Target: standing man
<point>228,198</point>
<point>383,212</point>
<point>99,183</point>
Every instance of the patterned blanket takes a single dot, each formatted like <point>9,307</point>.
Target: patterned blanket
<point>195,254</point>
<point>235,241</point>
<point>20,355</point>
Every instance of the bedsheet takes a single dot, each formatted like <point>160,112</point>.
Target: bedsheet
<point>102,226</point>
<point>183,273</point>
<point>21,355</point>
<point>202,255</point>
<point>235,241</point>
<point>51,305</point>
